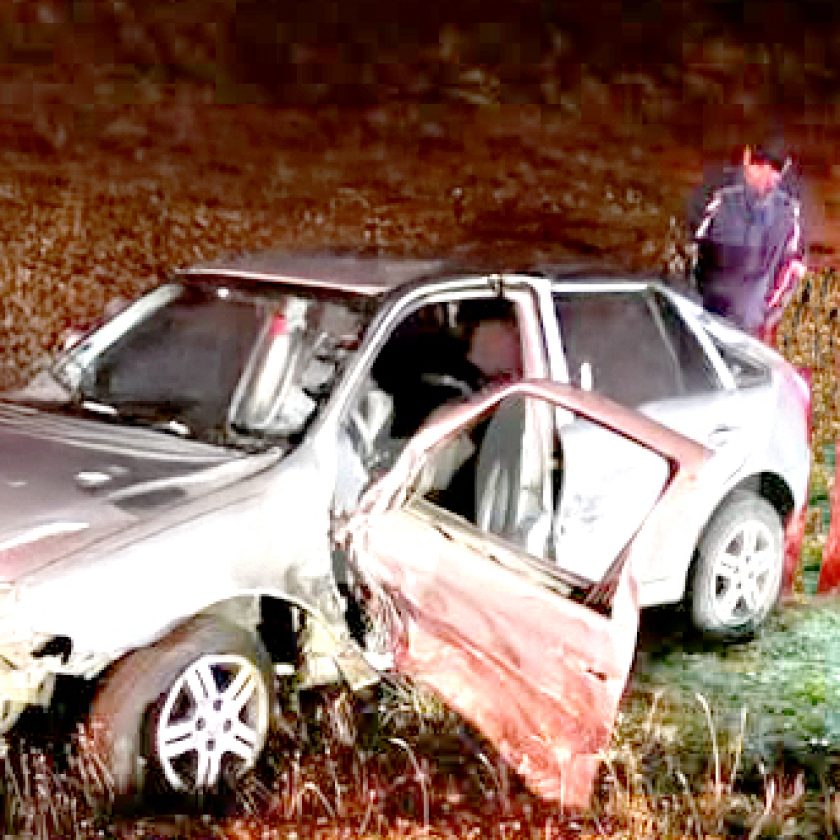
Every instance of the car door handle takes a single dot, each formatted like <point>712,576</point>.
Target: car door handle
<point>721,435</point>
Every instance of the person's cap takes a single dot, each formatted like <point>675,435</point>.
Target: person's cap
<point>771,151</point>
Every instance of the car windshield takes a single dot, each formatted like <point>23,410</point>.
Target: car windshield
<point>215,363</point>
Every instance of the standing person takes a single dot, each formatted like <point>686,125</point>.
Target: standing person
<point>750,243</point>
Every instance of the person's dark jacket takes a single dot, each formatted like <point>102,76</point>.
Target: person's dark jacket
<point>745,246</point>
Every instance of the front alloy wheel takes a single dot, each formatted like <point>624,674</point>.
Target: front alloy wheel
<point>188,714</point>
<point>738,568</point>
<point>213,722</point>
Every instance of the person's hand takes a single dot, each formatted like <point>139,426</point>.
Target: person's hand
<point>788,280</point>
<point>773,317</point>
<point>767,331</point>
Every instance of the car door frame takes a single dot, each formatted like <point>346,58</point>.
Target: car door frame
<point>718,430</point>
<point>561,762</point>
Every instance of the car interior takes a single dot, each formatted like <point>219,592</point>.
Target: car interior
<point>502,480</point>
<point>515,475</point>
<point>440,353</point>
<point>446,351</point>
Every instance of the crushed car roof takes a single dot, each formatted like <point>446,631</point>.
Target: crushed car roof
<point>374,274</point>
<point>363,274</point>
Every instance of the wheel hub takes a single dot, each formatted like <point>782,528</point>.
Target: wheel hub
<point>743,573</point>
<point>214,721</point>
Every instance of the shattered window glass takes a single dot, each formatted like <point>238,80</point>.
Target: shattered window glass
<point>217,362</point>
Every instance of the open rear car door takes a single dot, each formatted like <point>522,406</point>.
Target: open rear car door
<point>535,658</point>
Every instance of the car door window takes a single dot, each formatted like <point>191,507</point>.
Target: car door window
<point>615,344</point>
<point>746,368</point>
<point>698,375</point>
<point>610,484</point>
<point>446,351</point>
<point>573,496</point>
<point>501,475</point>
<point>517,469</point>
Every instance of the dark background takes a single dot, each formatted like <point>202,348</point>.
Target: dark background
<point>357,51</point>
<point>136,136</point>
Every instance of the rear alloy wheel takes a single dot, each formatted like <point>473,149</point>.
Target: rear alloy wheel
<point>191,711</point>
<point>738,569</point>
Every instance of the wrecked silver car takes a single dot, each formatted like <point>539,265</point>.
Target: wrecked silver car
<point>172,484</point>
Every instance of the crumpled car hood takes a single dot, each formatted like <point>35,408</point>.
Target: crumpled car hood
<point>66,482</point>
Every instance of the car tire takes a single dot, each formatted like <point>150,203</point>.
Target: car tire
<point>737,571</point>
<point>153,734</point>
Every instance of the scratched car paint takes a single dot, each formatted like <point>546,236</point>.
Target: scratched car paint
<point>172,483</point>
<point>463,607</point>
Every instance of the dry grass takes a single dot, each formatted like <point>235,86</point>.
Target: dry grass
<point>408,774</point>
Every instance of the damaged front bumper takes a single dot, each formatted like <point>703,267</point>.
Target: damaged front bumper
<point>27,675</point>
<point>31,685</point>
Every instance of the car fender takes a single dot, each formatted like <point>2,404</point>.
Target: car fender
<point>140,584</point>
<point>720,477</point>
